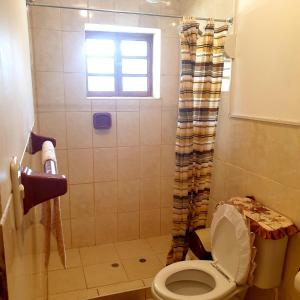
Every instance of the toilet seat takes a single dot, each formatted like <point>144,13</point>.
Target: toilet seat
<point>221,286</point>
<point>211,280</point>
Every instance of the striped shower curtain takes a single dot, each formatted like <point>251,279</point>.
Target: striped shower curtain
<point>202,60</point>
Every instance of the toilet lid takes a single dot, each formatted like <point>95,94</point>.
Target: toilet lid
<point>230,241</point>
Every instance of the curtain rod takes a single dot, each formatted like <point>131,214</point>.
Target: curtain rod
<point>31,3</point>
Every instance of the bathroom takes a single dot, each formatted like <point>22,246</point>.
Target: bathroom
<point>117,214</point>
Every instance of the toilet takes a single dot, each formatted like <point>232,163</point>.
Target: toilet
<point>224,277</point>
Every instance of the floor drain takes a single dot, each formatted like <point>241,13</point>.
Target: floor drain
<point>142,260</point>
<point>115,265</point>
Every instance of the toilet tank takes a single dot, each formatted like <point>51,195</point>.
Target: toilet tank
<point>270,260</point>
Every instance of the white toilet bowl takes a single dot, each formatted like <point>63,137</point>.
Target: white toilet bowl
<point>222,278</point>
<point>189,280</point>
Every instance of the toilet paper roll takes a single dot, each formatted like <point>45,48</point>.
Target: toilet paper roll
<point>297,282</point>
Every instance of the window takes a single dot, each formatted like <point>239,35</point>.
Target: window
<point>119,64</point>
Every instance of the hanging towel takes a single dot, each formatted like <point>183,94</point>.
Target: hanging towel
<point>51,212</point>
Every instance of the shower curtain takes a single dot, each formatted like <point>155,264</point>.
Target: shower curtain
<point>202,60</point>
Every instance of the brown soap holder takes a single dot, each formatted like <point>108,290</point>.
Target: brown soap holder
<point>40,187</point>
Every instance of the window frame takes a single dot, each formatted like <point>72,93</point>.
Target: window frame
<point>118,75</point>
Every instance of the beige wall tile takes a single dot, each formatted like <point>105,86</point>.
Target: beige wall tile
<point>108,4</point>
<point>75,92</point>
<point>167,160</point>
<point>67,233</point>
<point>105,164</point>
<point>170,91</point>
<point>73,20</point>
<point>105,197</point>
<point>53,125</point>
<point>79,130</point>
<point>62,161</point>
<point>128,128</point>
<point>169,26</point>
<point>173,8</point>
<point>170,53</point>
<point>127,20</point>
<point>150,161</point>
<point>128,195</point>
<point>76,3</point>
<point>150,193</point>
<point>150,103</point>
<point>80,166</point>
<point>128,105</point>
<point>65,206</point>
<point>97,17</point>
<point>45,18</point>
<point>130,5</point>
<point>83,232</point>
<point>224,9</point>
<point>106,228</point>
<point>149,7</point>
<point>128,163</point>
<point>150,122</point>
<point>149,21</point>
<point>128,226</point>
<point>47,50</point>
<point>82,200</point>
<point>50,91</point>
<point>73,51</point>
<point>166,220</point>
<point>150,223</point>
<point>106,137</point>
<point>167,191</point>
<point>169,123</point>
<point>106,105</point>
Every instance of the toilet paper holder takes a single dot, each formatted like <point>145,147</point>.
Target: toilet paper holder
<point>31,188</point>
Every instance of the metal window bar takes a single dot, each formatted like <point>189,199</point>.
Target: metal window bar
<point>31,3</point>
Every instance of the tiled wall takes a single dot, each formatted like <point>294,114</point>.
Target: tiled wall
<point>121,179</point>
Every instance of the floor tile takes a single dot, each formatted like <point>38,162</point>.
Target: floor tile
<point>162,257</point>
<point>133,249</point>
<point>78,295</point>
<point>148,282</point>
<point>120,287</point>
<point>72,259</point>
<point>98,254</point>
<point>137,270</point>
<point>61,281</point>
<point>104,274</point>
<point>160,244</point>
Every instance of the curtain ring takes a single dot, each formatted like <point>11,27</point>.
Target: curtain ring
<point>211,20</point>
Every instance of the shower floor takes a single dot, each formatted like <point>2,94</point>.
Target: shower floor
<point>107,269</point>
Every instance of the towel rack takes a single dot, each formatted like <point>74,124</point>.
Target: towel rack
<point>31,188</point>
